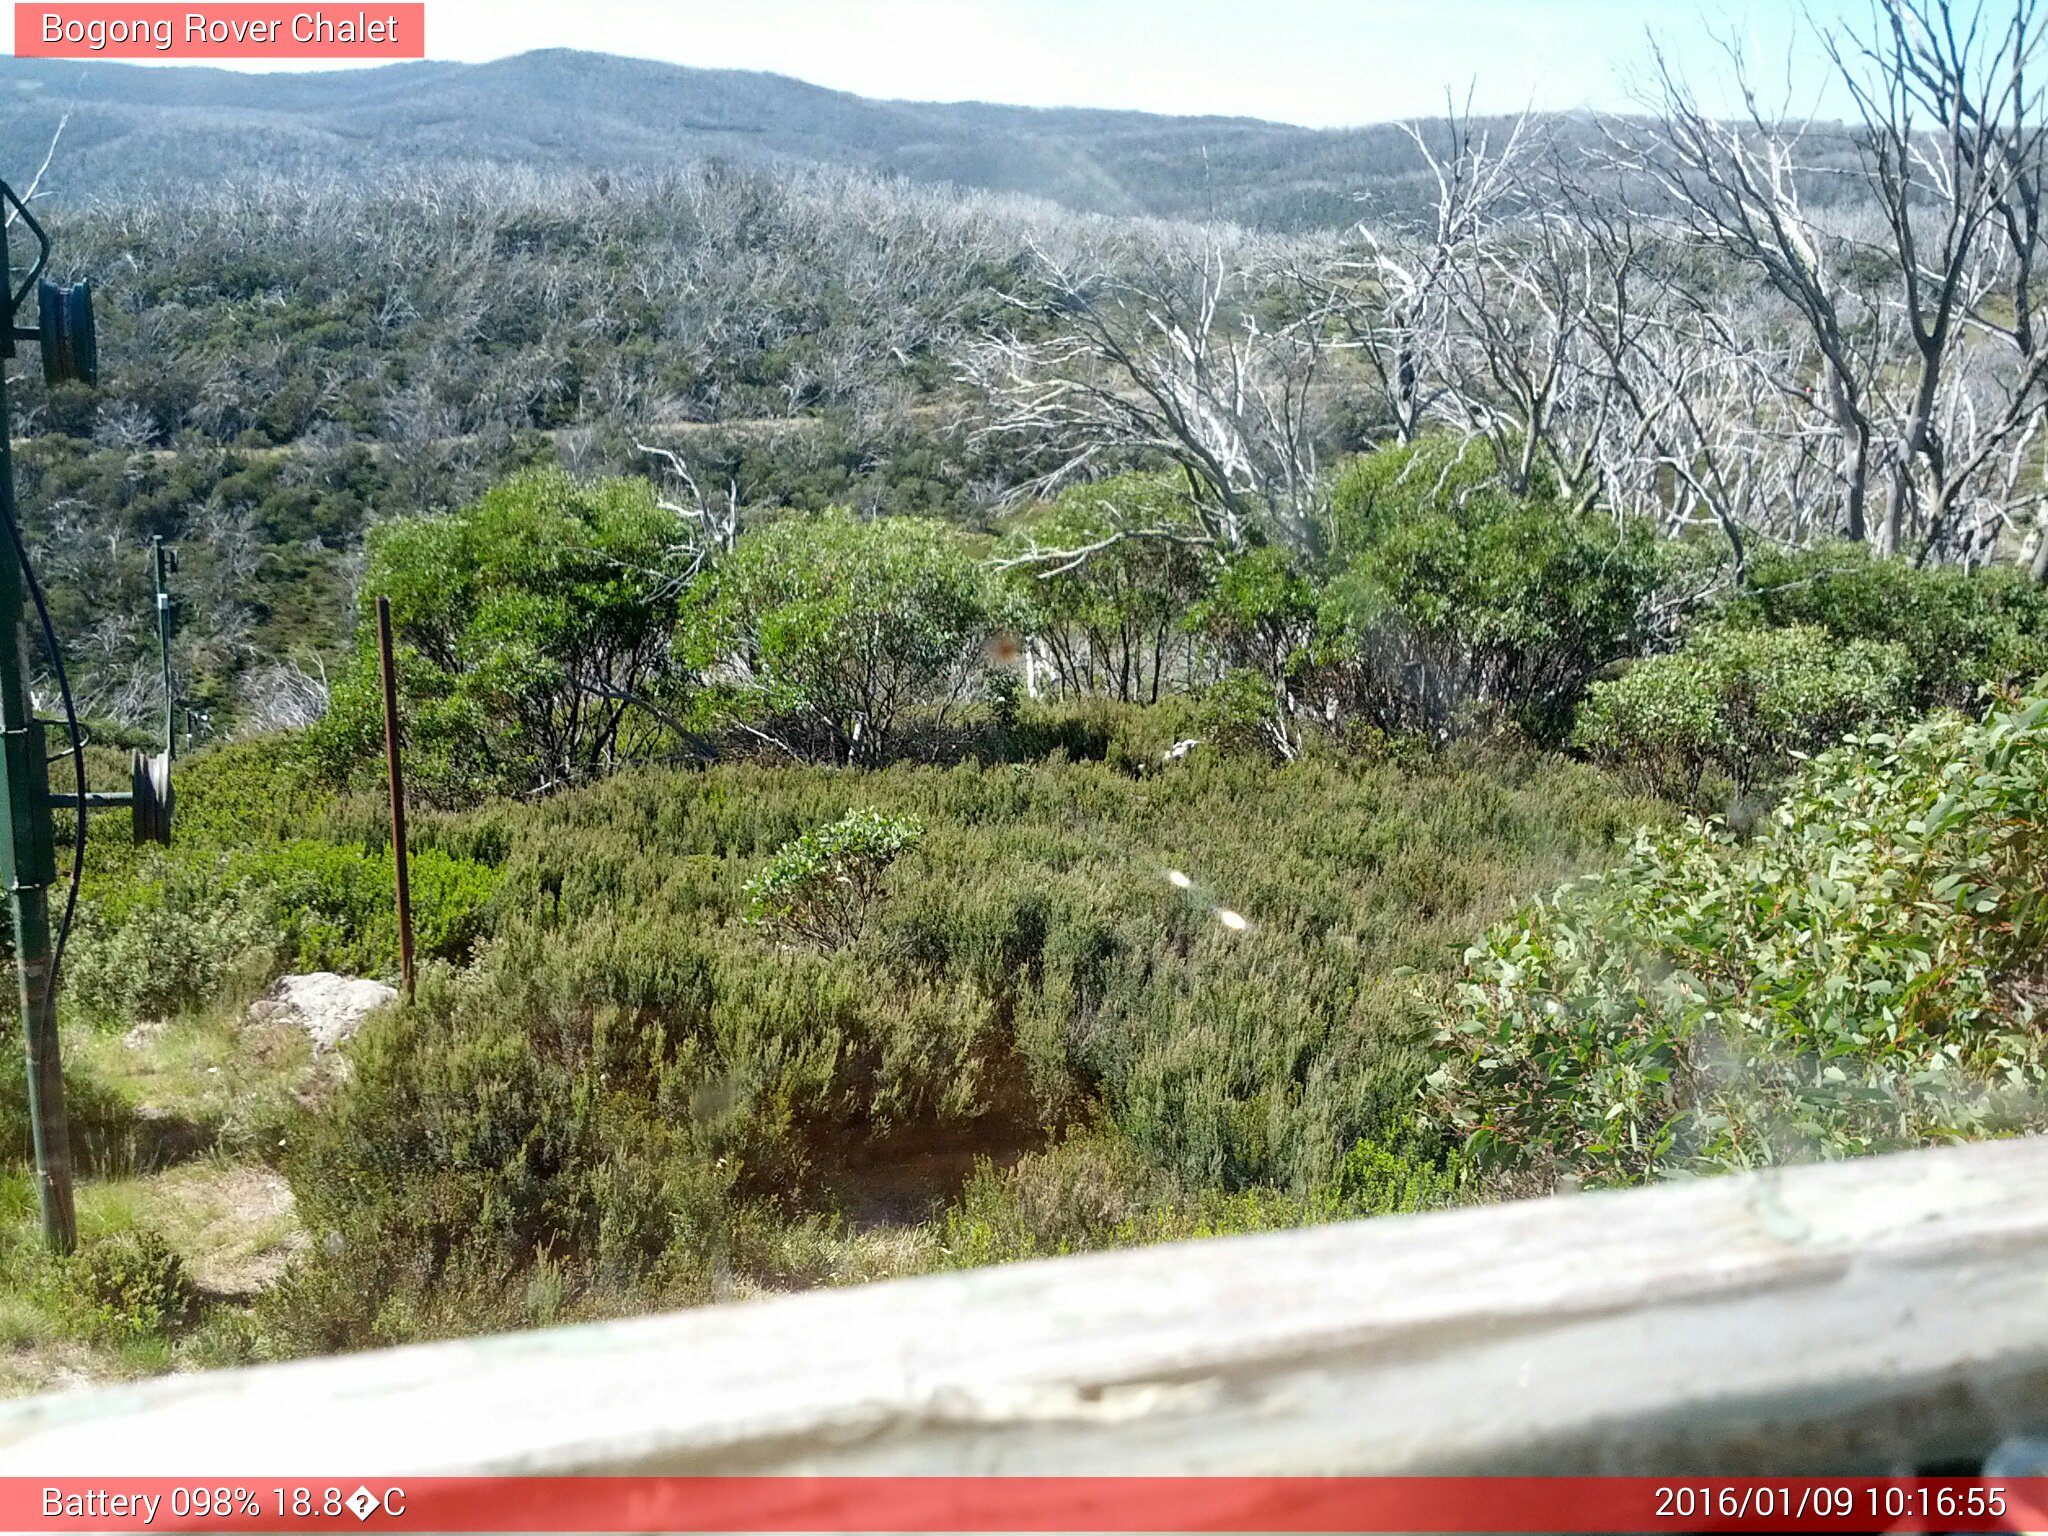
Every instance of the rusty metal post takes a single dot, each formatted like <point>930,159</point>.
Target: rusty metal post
<point>399,862</point>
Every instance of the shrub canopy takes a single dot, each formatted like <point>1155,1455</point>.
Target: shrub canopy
<point>635,1085</point>
<point>1743,703</point>
<point>1108,619</point>
<point>534,637</point>
<point>1961,629</point>
<point>828,631</point>
<point>820,886</point>
<point>1862,975</point>
<point>1461,599</point>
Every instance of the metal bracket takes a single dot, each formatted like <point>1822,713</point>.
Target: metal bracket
<point>29,858</point>
<point>9,331</point>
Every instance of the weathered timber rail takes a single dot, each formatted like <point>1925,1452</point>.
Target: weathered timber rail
<point>1883,1315</point>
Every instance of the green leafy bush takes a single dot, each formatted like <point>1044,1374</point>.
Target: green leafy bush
<point>177,936</point>
<point>1003,691</point>
<point>1374,1180</point>
<point>1862,975</point>
<point>130,1285</point>
<point>1096,1191</point>
<point>632,1106</point>
<point>821,887</point>
<point>1962,629</point>
<point>330,906</point>
<point>510,1116</point>
<point>1110,619</point>
<point>1465,606</point>
<point>1237,714</point>
<point>188,927</point>
<point>1743,703</point>
<point>534,631</point>
<point>1265,620</point>
<point>832,630</point>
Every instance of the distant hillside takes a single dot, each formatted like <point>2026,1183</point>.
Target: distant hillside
<point>135,128</point>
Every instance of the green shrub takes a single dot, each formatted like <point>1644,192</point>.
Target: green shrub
<point>244,792</point>
<point>1743,703</point>
<point>821,887</point>
<point>180,935</point>
<point>1096,1191</point>
<point>831,630</point>
<point>226,1338</point>
<point>331,907</point>
<point>130,1285</point>
<point>1110,620</point>
<point>1376,1181</point>
<point>189,927</point>
<point>1464,606</point>
<point>1264,619</point>
<point>627,1091</point>
<point>632,1107</point>
<point>1236,714</point>
<point>534,631</point>
<point>1373,494</point>
<point>1004,692</point>
<point>500,1119</point>
<point>1962,629</point>
<point>1861,975</point>
<point>1070,1198</point>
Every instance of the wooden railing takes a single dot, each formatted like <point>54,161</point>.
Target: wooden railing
<point>1876,1316</point>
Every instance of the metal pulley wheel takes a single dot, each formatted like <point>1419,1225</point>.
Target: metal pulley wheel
<point>151,777</point>
<point>69,339</point>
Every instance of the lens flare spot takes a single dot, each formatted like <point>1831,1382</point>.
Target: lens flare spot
<point>1236,922</point>
<point>1177,880</point>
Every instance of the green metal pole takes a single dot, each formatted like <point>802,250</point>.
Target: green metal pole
<point>28,858</point>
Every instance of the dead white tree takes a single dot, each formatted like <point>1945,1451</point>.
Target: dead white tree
<point>1734,187</point>
<point>1523,367</point>
<point>1394,300</point>
<point>1917,345</point>
<point>34,188</point>
<point>1186,346</point>
<point>707,528</point>
<point>1952,150</point>
<point>283,695</point>
<point>1502,314</point>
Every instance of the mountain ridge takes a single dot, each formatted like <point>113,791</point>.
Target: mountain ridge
<point>136,128</point>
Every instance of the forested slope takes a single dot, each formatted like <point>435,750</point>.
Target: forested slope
<point>134,130</point>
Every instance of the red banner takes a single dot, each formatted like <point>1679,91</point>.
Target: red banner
<point>230,31</point>
<point>1023,1504</point>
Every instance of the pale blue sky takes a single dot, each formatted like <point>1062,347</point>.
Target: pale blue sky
<point>1320,62</point>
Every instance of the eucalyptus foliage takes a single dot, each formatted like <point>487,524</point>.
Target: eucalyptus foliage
<point>1107,576</point>
<point>1288,664</point>
<point>1465,604</point>
<point>1743,703</point>
<point>534,636</point>
<point>828,632</point>
<point>1864,974</point>
<point>821,886</point>
<point>1963,629</point>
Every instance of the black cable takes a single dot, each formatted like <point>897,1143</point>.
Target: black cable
<point>35,591</point>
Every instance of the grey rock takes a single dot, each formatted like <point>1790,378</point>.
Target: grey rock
<point>328,1007</point>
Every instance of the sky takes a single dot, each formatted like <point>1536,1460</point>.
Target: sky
<point>1323,63</point>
